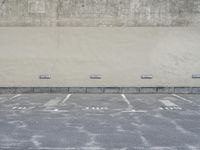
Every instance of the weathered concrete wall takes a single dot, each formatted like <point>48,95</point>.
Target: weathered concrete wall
<point>99,12</point>
<point>120,55</point>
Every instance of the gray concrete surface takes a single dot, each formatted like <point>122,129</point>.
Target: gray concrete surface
<point>119,55</point>
<point>99,12</point>
<point>99,122</point>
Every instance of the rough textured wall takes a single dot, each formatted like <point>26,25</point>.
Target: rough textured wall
<point>99,12</point>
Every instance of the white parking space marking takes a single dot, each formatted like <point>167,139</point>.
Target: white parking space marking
<point>18,95</point>
<point>182,98</point>
<point>22,108</point>
<point>130,107</point>
<point>167,103</point>
<point>96,108</point>
<point>66,98</point>
<point>53,102</point>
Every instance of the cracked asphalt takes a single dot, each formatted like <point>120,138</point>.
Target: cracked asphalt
<point>99,122</point>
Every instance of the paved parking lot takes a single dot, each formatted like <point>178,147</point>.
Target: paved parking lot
<point>99,121</point>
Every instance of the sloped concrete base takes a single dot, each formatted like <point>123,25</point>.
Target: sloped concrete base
<point>120,56</point>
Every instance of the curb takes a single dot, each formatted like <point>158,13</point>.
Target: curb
<point>102,90</point>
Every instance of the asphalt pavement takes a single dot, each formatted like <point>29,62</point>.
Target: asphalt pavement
<point>99,122</point>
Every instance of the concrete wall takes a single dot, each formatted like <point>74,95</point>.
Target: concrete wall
<point>120,55</point>
<point>99,12</point>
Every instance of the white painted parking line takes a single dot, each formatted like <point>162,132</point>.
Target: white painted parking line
<point>15,96</point>
<point>182,98</point>
<point>66,98</point>
<point>71,148</point>
<point>130,106</point>
<point>52,102</point>
<point>134,111</point>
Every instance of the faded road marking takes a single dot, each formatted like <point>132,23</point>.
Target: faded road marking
<point>66,98</point>
<point>167,103</point>
<point>130,107</point>
<point>2,99</point>
<point>19,108</point>
<point>15,96</point>
<point>35,140</point>
<point>52,102</point>
<point>182,98</point>
<point>68,148</point>
<point>170,108</point>
<point>96,108</point>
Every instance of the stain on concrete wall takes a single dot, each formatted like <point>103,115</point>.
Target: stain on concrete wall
<point>36,6</point>
<point>99,12</point>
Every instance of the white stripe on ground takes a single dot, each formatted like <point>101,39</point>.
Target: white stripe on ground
<point>66,98</point>
<point>134,111</point>
<point>15,96</point>
<point>52,102</point>
<point>168,103</point>
<point>182,98</point>
<point>130,107</point>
